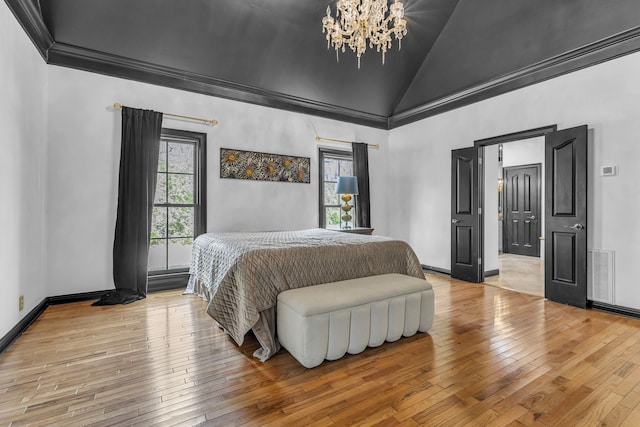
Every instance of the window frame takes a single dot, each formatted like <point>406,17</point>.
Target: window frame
<point>178,277</point>
<point>324,153</point>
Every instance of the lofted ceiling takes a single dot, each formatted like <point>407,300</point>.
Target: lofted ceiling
<point>273,52</point>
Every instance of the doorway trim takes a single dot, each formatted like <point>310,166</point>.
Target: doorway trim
<point>479,145</point>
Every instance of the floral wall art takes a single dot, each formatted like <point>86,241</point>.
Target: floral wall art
<point>239,164</point>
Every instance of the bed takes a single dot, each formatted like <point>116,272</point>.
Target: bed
<point>240,274</point>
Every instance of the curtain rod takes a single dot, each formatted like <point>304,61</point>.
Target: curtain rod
<point>321,138</point>
<point>211,122</point>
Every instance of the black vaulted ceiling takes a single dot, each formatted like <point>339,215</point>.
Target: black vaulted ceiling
<point>273,52</point>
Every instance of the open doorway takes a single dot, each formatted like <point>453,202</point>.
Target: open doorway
<point>514,219</point>
<point>565,219</point>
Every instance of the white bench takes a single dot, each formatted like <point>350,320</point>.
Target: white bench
<point>326,321</point>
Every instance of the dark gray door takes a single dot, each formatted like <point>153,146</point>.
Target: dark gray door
<point>566,216</point>
<point>522,210</point>
<point>465,228</point>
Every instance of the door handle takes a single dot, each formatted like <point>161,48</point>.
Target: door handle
<point>575,226</point>
<point>532,217</point>
<point>455,221</point>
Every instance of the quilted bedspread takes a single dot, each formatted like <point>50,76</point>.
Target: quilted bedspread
<point>241,274</point>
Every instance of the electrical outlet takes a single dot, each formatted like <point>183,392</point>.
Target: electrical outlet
<point>21,303</point>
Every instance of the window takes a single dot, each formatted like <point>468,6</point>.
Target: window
<point>179,209</point>
<point>333,164</point>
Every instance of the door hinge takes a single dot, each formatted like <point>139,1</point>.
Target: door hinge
<point>479,211</point>
<point>479,160</point>
<point>479,261</point>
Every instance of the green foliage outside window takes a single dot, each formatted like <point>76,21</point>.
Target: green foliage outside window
<point>173,224</point>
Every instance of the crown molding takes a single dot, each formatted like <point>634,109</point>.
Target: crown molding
<point>117,66</point>
<point>595,53</point>
<point>28,15</point>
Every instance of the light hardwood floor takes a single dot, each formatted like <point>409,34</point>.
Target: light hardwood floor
<point>519,273</point>
<point>493,357</point>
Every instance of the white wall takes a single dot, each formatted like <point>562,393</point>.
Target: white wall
<point>23,119</point>
<point>84,141</point>
<point>523,152</point>
<point>605,97</point>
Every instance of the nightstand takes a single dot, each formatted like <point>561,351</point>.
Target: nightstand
<point>357,230</point>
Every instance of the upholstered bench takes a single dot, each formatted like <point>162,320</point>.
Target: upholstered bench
<point>326,321</point>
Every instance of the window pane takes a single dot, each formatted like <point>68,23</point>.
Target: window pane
<point>157,255</point>
<point>159,223</point>
<point>332,217</point>
<point>173,224</point>
<point>346,168</point>
<point>181,222</point>
<point>331,170</point>
<point>180,253</point>
<point>162,158</point>
<point>161,189</point>
<point>180,157</point>
<point>330,196</point>
<point>180,188</point>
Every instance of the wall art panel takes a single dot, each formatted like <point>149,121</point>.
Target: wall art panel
<point>251,165</point>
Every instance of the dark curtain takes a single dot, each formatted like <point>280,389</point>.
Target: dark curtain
<point>136,191</point>
<point>361,171</point>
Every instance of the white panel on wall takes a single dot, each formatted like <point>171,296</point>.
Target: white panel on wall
<point>600,275</point>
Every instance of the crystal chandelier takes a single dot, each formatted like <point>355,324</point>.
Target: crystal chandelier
<point>359,20</point>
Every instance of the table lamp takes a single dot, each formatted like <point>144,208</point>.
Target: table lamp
<point>347,186</point>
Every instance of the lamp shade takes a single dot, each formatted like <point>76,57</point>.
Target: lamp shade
<point>347,185</point>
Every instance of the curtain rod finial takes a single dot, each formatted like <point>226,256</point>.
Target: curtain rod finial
<point>117,106</point>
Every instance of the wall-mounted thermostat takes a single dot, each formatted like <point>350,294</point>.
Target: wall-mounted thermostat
<point>608,170</point>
